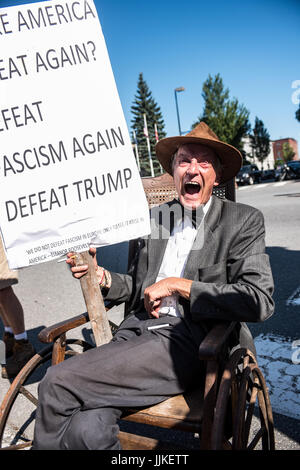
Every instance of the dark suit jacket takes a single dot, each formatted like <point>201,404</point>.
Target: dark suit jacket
<point>228,264</point>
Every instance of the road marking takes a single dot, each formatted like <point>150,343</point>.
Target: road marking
<point>263,185</point>
<point>294,299</point>
<point>254,186</point>
<point>276,359</point>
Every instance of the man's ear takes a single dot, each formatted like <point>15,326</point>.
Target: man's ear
<point>218,177</point>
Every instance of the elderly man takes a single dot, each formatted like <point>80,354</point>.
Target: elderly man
<point>211,265</point>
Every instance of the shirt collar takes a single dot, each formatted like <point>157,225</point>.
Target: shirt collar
<point>196,215</point>
<point>207,206</point>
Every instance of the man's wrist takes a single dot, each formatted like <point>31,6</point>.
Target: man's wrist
<point>182,287</point>
<point>104,277</point>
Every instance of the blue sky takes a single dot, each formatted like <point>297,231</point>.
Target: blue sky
<point>254,45</point>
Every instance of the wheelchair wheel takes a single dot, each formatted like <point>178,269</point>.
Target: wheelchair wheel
<point>22,395</point>
<point>253,394</point>
<point>243,416</point>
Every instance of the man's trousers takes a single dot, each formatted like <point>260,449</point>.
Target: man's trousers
<point>81,399</point>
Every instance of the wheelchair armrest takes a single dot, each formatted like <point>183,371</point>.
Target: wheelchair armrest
<point>214,340</point>
<point>49,334</point>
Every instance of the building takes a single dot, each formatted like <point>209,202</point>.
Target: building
<point>277,148</point>
<point>267,164</point>
<point>274,154</point>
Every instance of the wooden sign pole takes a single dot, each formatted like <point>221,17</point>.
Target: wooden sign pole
<point>94,300</point>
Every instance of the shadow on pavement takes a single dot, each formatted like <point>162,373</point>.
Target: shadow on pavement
<point>285,321</point>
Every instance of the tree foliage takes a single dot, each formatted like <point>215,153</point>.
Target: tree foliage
<point>260,141</point>
<point>225,116</point>
<point>297,114</point>
<point>144,103</point>
<point>287,152</point>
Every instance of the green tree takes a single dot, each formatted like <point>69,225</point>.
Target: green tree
<point>287,152</point>
<point>144,103</point>
<point>225,116</point>
<point>260,141</point>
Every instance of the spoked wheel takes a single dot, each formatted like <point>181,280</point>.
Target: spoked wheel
<point>253,393</point>
<point>21,395</point>
<point>243,416</point>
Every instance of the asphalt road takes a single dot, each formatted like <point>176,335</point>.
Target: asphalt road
<point>49,294</point>
<point>280,204</point>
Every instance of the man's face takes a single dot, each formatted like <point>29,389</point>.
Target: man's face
<point>195,174</point>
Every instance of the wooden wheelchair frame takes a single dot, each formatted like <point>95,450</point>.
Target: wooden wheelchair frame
<point>219,415</point>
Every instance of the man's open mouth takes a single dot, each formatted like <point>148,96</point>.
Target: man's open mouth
<point>192,187</point>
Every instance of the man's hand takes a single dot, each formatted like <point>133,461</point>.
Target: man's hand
<point>79,271</point>
<point>164,288</point>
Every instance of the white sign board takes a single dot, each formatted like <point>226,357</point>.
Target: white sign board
<point>68,176</point>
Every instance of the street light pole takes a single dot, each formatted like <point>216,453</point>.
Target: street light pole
<point>181,88</point>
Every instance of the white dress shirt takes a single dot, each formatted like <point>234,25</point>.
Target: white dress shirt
<point>173,264</point>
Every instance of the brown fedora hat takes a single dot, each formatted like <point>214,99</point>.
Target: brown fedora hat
<point>230,157</point>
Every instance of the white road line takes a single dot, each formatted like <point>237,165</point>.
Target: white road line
<point>280,183</point>
<point>256,186</point>
<point>263,185</point>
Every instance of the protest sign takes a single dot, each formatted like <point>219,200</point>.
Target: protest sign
<point>68,175</point>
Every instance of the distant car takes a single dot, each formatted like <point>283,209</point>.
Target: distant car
<point>268,175</point>
<point>288,171</point>
<point>248,174</point>
<point>294,166</point>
